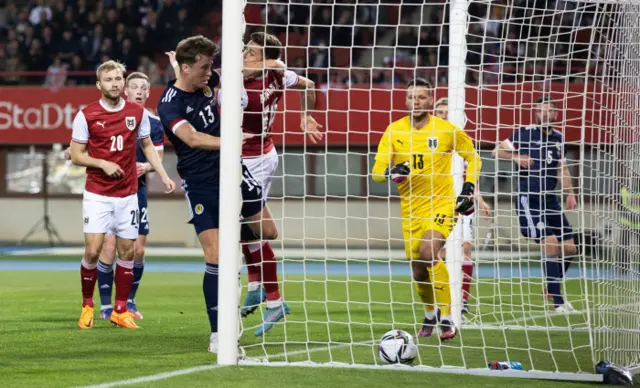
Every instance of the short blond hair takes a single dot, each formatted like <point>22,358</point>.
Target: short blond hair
<point>441,101</point>
<point>108,66</point>
<point>136,75</point>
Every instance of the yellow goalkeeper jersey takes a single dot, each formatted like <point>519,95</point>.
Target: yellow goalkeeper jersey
<point>429,151</point>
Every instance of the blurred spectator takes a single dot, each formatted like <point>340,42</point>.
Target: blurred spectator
<point>37,61</point>
<point>127,56</point>
<point>56,74</point>
<point>40,12</point>
<point>150,68</point>
<point>338,42</point>
<point>14,67</point>
<point>142,44</point>
<point>76,67</point>
<point>68,46</point>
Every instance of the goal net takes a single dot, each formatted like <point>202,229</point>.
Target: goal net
<point>341,259</point>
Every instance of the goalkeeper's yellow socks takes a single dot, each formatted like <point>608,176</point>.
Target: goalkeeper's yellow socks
<point>439,275</point>
<point>425,292</point>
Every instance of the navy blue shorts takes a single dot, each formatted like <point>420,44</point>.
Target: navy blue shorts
<point>540,218</point>
<point>143,225</point>
<point>204,208</point>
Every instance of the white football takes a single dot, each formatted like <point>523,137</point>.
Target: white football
<point>397,347</point>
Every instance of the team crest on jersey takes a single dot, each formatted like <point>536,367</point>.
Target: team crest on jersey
<point>432,143</point>
<point>199,209</point>
<point>130,121</point>
<point>207,91</point>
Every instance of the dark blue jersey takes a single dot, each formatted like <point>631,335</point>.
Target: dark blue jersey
<point>199,169</point>
<point>157,137</point>
<point>547,151</point>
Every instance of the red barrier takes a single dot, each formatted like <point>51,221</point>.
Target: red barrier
<point>356,116</point>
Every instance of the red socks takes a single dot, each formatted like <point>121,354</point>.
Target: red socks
<point>123,281</point>
<point>467,274</point>
<point>88,278</point>
<point>254,269</point>
<point>262,267</point>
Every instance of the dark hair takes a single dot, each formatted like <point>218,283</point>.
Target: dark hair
<point>271,44</point>
<point>419,81</point>
<point>191,48</point>
<point>546,100</point>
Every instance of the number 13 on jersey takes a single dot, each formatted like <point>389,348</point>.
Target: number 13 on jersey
<point>207,118</point>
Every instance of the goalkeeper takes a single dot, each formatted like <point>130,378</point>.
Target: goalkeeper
<point>416,153</point>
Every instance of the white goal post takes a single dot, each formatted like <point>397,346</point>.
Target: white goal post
<point>340,251</point>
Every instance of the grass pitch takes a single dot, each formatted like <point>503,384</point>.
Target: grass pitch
<point>341,319</point>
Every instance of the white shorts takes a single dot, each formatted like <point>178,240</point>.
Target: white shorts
<point>263,168</point>
<point>111,215</point>
<point>467,228</point>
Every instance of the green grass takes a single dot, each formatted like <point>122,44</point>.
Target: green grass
<point>40,344</point>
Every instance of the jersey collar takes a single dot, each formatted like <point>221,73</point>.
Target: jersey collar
<point>117,108</point>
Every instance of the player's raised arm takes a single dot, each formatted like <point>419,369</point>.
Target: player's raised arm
<point>174,63</point>
<point>79,139</point>
<point>149,150</point>
<point>308,124</point>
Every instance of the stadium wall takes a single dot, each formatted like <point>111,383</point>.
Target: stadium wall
<point>334,223</point>
<point>356,116</point>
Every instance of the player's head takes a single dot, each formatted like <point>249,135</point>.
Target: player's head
<point>441,108</point>
<point>195,58</point>
<point>136,87</point>
<point>110,79</point>
<point>260,48</point>
<point>419,97</point>
<point>546,111</point>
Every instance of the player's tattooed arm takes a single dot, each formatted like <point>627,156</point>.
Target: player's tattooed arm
<point>80,158</point>
<point>308,124</point>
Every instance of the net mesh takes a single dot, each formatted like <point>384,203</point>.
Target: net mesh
<point>342,263</point>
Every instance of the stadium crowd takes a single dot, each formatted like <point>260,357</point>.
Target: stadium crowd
<point>329,41</point>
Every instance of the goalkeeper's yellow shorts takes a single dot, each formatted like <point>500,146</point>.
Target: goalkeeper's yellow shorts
<point>440,219</point>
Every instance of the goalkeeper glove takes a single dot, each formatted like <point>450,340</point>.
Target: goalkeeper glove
<point>465,202</point>
<point>399,172</point>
